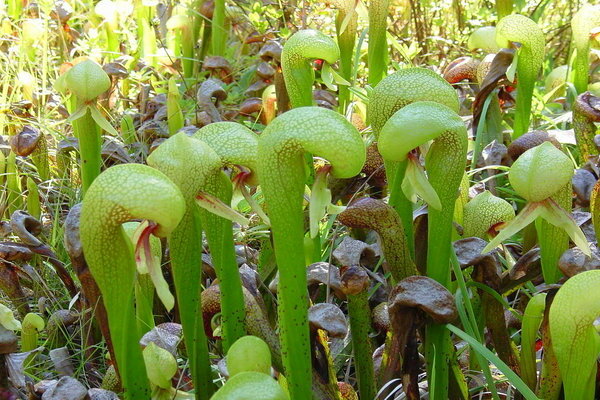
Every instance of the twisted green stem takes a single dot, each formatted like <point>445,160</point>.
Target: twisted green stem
<point>553,240</point>
<point>182,41</point>
<point>532,319</point>
<point>90,145</point>
<point>187,162</point>
<point>355,284</point>
<point>281,172</point>
<point>574,337</point>
<point>504,8</point>
<point>298,73</point>
<point>377,52</point>
<point>235,145</point>
<point>122,193</point>
<point>522,30</point>
<point>219,32</point>
<point>445,161</point>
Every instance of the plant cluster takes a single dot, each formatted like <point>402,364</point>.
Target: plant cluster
<point>210,205</point>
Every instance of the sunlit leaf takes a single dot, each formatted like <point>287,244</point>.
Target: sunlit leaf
<point>320,198</point>
<point>7,319</point>
<point>79,113</point>
<point>415,181</point>
<point>143,255</point>
<point>559,217</point>
<point>161,366</point>
<point>102,122</point>
<point>529,213</point>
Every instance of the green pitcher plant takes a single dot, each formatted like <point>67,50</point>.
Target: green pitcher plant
<point>86,81</point>
<point>120,194</point>
<point>281,172</point>
<point>410,127</point>
<point>574,335</point>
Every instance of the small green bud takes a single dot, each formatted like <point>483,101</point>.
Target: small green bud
<point>484,212</point>
<point>484,38</point>
<point>540,172</point>
<point>7,319</point>
<point>249,353</point>
<point>251,386</point>
<point>161,366</point>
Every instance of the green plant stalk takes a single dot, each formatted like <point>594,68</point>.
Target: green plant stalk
<point>532,319</point>
<point>377,51</point>
<point>346,27</point>
<point>582,23</point>
<point>181,42</point>
<point>41,160</point>
<point>518,28</point>
<point>144,302</point>
<point>120,194</point>
<point>595,209</point>
<point>197,20</point>
<point>186,252</point>
<point>235,145</point>
<point>504,8</point>
<point>174,115</point>
<point>298,72</point>
<point>445,180</point>
<point>13,184</point>
<point>146,36</point>
<point>15,8</point>
<point>219,234</point>
<point>128,134</point>
<point>34,208</point>
<point>360,326</point>
<point>408,128</point>
<point>553,240</point>
<point>219,32</point>
<point>470,323</point>
<point>112,39</point>
<point>574,336</point>
<point>188,49</point>
<point>399,201</point>
<point>205,41</point>
<point>390,95</point>
<point>89,136</point>
<point>281,171</point>
<point>584,118</point>
<point>550,382</point>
